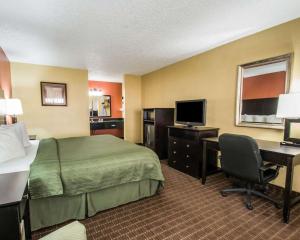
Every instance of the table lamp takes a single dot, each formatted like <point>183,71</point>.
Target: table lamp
<point>11,107</point>
<point>288,108</point>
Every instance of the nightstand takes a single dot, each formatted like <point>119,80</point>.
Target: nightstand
<point>14,206</point>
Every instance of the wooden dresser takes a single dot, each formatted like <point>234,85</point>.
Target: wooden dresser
<point>186,149</point>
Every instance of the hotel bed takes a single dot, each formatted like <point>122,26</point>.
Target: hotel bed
<point>74,178</point>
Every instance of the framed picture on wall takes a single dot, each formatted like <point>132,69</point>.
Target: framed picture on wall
<point>104,109</point>
<point>53,94</point>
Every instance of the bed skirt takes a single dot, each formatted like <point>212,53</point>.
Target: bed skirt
<point>45,212</point>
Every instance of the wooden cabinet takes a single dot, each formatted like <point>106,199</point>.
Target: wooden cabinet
<point>186,149</point>
<point>113,126</point>
<point>155,132</point>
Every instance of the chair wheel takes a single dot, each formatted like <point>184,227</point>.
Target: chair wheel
<point>249,206</point>
<point>223,194</point>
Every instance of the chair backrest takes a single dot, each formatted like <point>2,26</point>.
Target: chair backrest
<point>240,157</point>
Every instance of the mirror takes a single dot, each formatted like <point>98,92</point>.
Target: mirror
<point>259,86</point>
<point>100,106</point>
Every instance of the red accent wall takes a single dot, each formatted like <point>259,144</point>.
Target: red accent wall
<point>5,76</point>
<point>113,89</point>
<point>264,86</point>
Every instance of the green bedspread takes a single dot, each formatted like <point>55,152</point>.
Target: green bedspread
<point>78,165</point>
<point>45,180</point>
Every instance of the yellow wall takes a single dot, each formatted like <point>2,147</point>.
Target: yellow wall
<point>133,105</point>
<point>51,121</point>
<point>213,75</point>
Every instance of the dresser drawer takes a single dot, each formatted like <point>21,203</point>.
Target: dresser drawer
<point>106,125</point>
<point>174,151</point>
<point>175,146</point>
<point>192,151</point>
<point>175,162</point>
<point>183,134</point>
<point>188,168</point>
<point>191,166</point>
<point>174,142</point>
<point>175,154</point>
<point>191,145</point>
<point>112,125</point>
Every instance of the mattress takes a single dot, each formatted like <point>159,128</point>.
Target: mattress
<point>72,166</point>
<point>76,177</point>
<point>23,163</point>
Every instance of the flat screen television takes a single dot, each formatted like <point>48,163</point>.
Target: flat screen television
<point>191,112</point>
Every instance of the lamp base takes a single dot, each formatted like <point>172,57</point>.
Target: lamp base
<point>285,143</point>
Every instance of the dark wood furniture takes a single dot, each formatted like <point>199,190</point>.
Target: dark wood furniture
<point>113,126</point>
<point>14,205</point>
<point>185,149</point>
<point>271,152</point>
<point>155,133</point>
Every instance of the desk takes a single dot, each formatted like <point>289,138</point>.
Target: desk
<point>271,152</point>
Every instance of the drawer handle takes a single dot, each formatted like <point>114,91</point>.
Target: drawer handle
<point>188,145</point>
<point>187,156</point>
<point>113,125</point>
<point>174,152</point>
<point>174,142</point>
<point>187,166</point>
<point>174,161</point>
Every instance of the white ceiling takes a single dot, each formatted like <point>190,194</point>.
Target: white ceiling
<point>113,37</point>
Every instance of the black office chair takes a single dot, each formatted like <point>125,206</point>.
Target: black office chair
<point>241,159</point>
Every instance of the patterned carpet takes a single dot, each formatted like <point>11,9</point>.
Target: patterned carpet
<point>185,209</point>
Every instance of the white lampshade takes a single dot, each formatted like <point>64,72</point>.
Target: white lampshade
<point>11,106</point>
<point>288,106</point>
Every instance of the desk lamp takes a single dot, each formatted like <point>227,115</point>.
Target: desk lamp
<point>289,108</point>
<point>11,107</point>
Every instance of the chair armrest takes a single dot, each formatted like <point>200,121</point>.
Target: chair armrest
<point>268,166</point>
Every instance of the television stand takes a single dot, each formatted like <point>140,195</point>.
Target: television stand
<point>185,149</point>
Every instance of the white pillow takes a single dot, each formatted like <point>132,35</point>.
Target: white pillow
<point>21,132</point>
<point>10,145</point>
